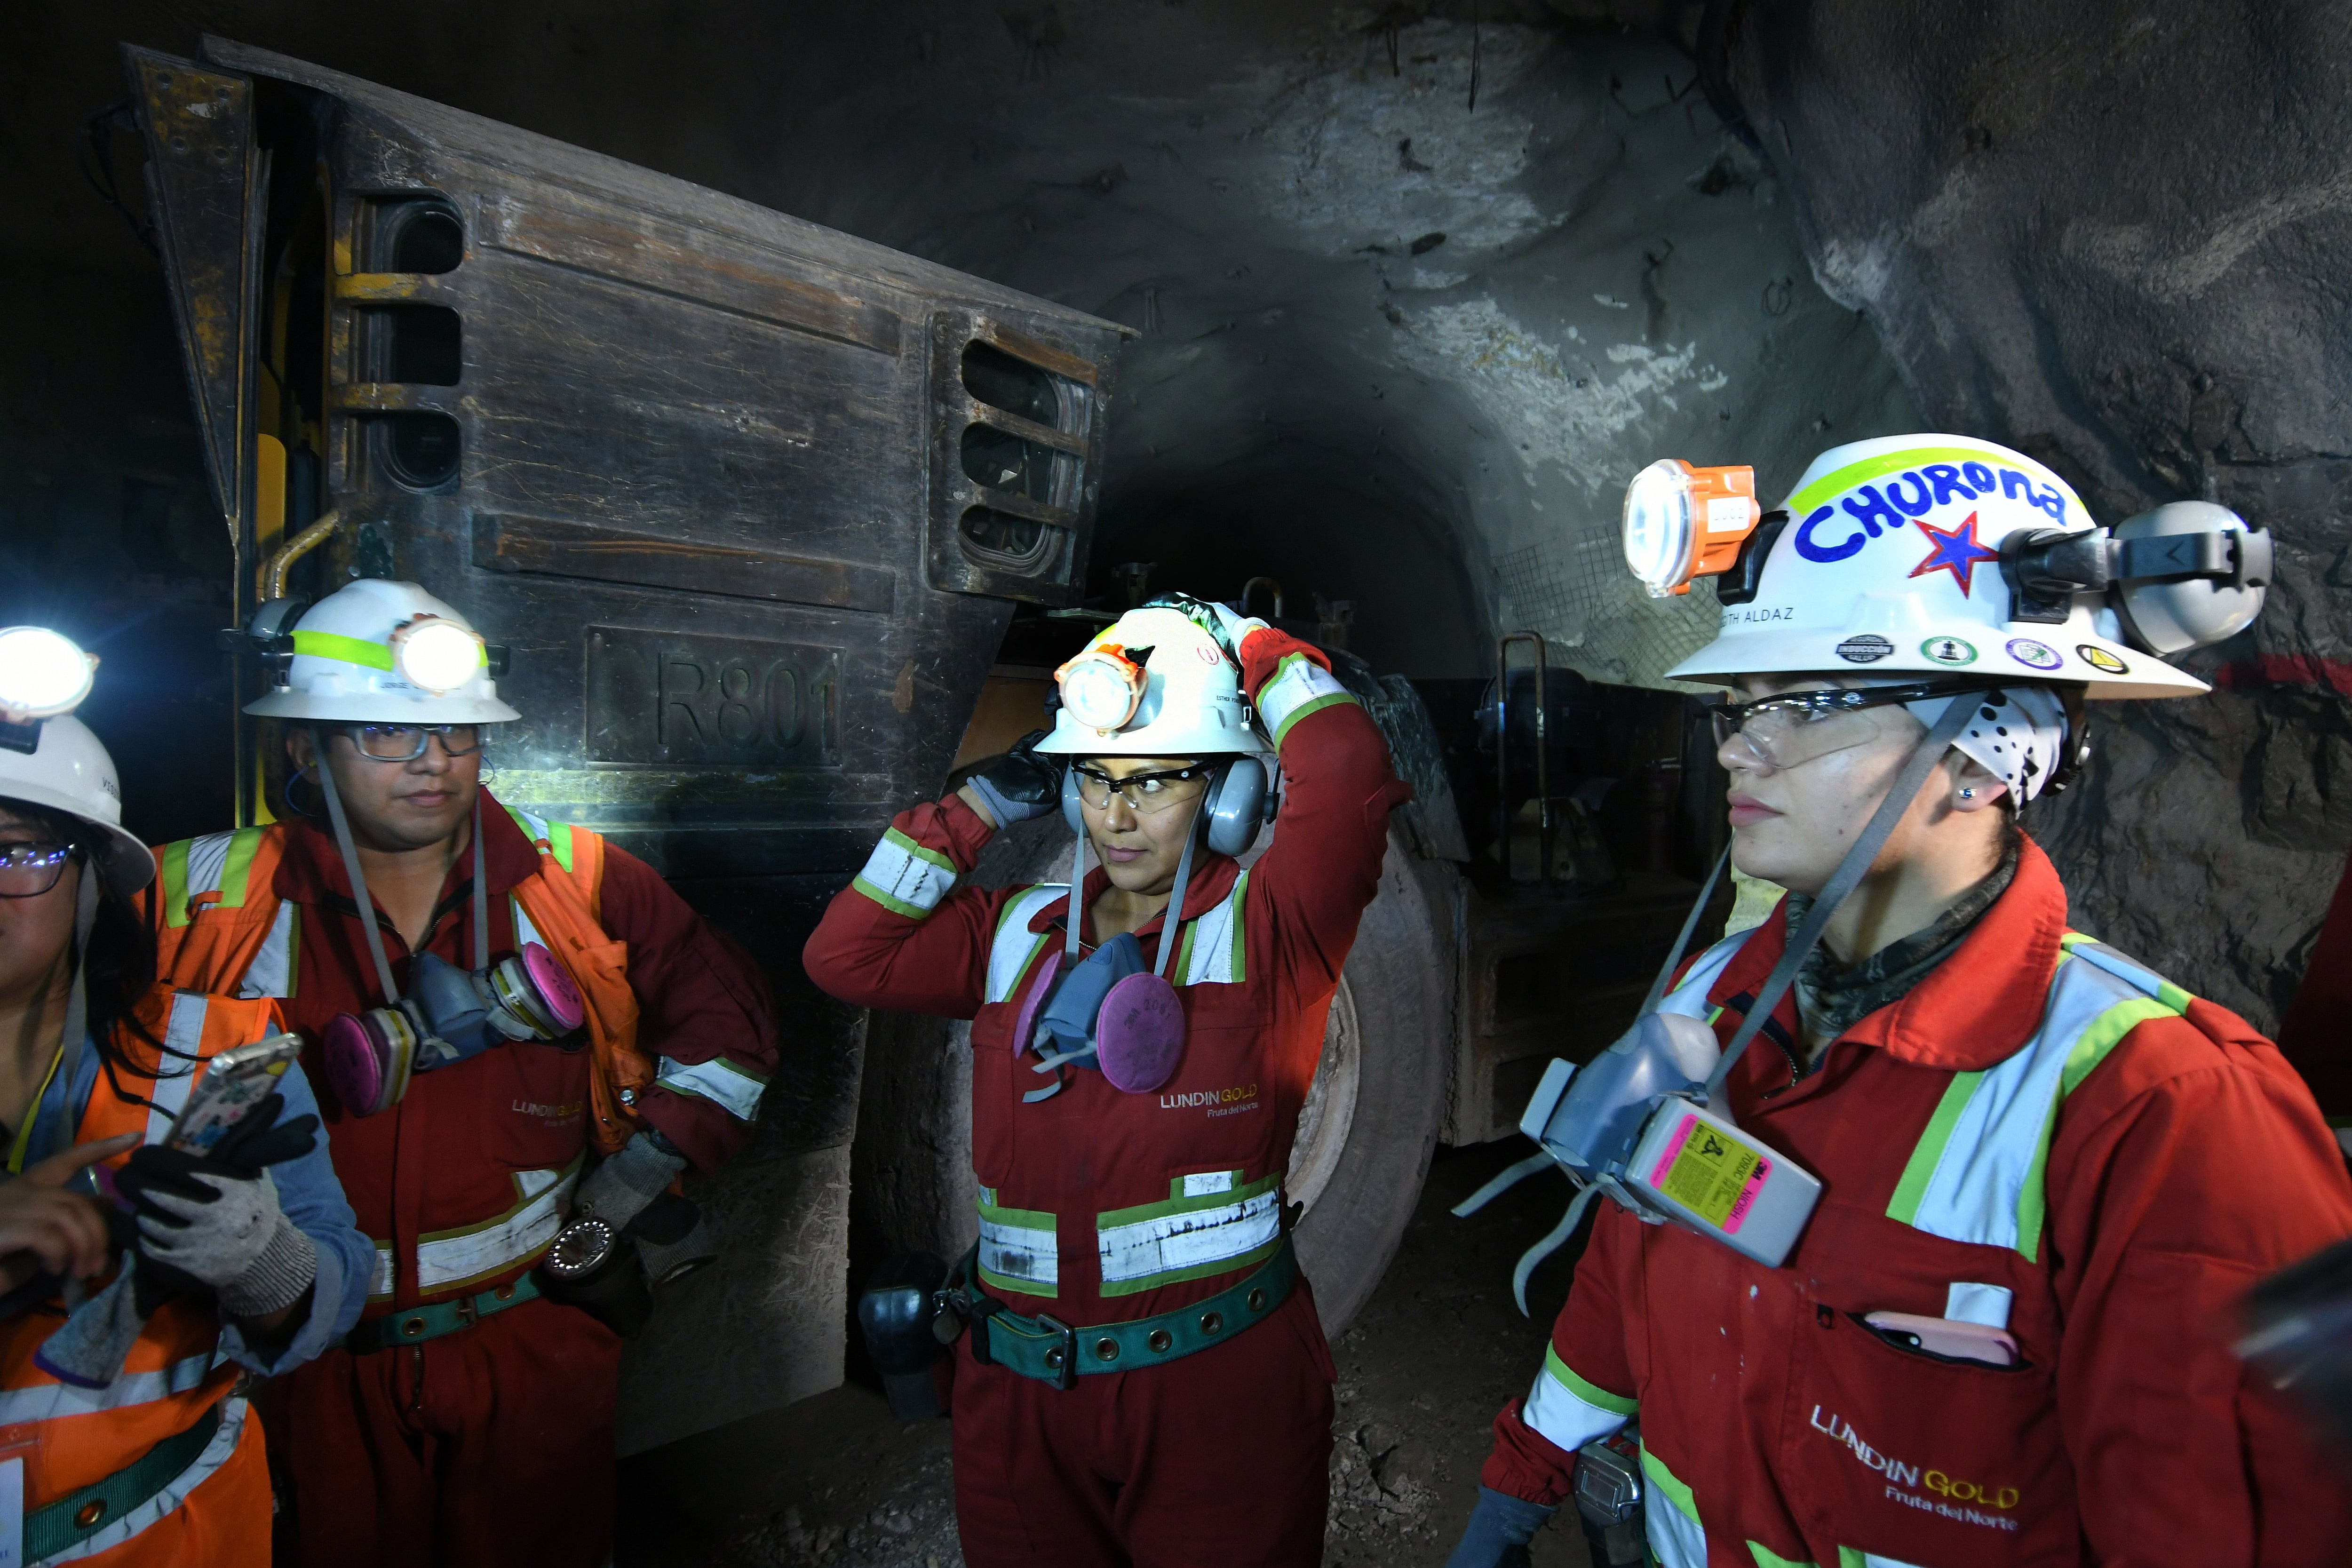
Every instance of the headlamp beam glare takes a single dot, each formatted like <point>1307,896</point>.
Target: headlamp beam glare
<point>1683,522</point>
<point>1102,687</point>
<point>42,674</point>
<point>435,655</point>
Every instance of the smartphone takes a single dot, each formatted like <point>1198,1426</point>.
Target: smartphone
<point>1948,1337</point>
<point>233,1083</point>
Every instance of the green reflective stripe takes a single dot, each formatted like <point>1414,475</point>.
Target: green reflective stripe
<point>735,1089</point>
<point>1676,1538</point>
<point>559,844</point>
<point>1297,687</point>
<point>920,851</point>
<point>1855,1557</point>
<point>1214,951</point>
<point>1591,1392</point>
<point>176,883</point>
<point>1665,1481</point>
<point>1179,1202</point>
<point>1768,1558</point>
<point>1316,705</point>
<point>1189,1236</point>
<point>2091,1048</point>
<point>1019,1249</point>
<point>346,651</point>
<point>1909,1191</point>
<point>1869,468</point>
<point>241,851</point>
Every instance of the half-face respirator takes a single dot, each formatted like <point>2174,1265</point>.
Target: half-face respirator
<point>448,1014</point>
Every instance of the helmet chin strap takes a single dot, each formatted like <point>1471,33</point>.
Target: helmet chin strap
<point>85,897</point>
<point>352,866</point>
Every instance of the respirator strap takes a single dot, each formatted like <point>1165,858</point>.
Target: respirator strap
<point>85,897</point>
<point>1175,914</point>
<point>1682,944</point>
<point>351,866</point>
<point>1077,891</point>
<point>1842,882</point>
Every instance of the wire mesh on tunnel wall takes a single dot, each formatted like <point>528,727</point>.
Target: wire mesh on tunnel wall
<point>1594,617</point>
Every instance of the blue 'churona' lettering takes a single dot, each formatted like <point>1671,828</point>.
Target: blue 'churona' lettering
<point>1978,474</point>
<point>1947,482</point>
<point>1825,552</point>
<point>1904,503</point>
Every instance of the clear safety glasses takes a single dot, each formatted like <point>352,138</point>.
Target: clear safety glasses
<point>406,742</point>
<point>1796,727</point>
<point>29,870</point>
<point>1144,793</point>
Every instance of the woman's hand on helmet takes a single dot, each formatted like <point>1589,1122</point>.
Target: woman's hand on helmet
<point>1020,784</point>
<point>1229,627</point>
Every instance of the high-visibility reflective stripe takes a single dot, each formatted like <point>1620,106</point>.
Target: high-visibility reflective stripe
<point>1019,1249</point>
<point>219,863</point>
<point>343,650</point>
<point>523,930</point>
<point>1188,1237</point>
<point>1676,1538</point>
<point>555,835</point>
<point>1852,1557</point>
<point>176,1492</point>
<point>1214,951</point>
<point>1016,946</point>
<point>905,878</point>
<point>273,969</point>
<point>718,1079</point>
<point>184,1031</point>
<point>1976,1174</point>
<point>1768,1558</point>
<point>1568,1410</point>
<point>57,1401</point>
<point>380,1281</point>
<point>1298,687</point>
<point>449,1258</point>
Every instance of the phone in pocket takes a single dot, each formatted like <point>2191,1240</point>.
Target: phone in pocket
<point>1948,1337</point>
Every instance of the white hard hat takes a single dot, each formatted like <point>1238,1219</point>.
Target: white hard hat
<point>386,652</point>
<point>1889,562</point>
<point>1153,684</point>
<point>67,770</point>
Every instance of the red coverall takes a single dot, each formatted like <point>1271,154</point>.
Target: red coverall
<point>2177,1171</point>
<point>2314,1035</point>
<point>1222,1456</point>
<point>492,1445</point>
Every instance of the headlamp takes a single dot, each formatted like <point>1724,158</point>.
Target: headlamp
<point>435,655</point>
<point>1683,522</point>
<point>42,674</point>
<point>1102,687</point>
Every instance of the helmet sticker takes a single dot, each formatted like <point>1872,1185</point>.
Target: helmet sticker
<point>2034,655</point>
<point>2100,659</point>
<point>1955,550</point>
<point>1869,647</point>
<point>1949,650</point>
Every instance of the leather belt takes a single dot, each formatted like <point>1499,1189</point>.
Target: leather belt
<point>1052,1352</point>
<point>417,1324</point>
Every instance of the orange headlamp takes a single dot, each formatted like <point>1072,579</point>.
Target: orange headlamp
<point>1683,522</point>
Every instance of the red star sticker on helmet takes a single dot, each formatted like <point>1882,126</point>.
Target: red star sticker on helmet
<point>1956,550</point>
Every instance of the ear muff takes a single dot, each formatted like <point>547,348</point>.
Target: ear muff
<point>1239,804</point>
<point>1070,800</point>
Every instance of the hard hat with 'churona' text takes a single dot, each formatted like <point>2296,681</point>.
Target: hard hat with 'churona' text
<point>1890,561</point>
<point>385,653</point>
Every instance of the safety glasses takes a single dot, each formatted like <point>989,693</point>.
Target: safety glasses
<point>1144,793</point>
<point>406,742</point>
<point>1797,727</point>
<point>29,870</point>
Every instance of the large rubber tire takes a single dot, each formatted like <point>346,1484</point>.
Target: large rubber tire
<point>1371,1121</point>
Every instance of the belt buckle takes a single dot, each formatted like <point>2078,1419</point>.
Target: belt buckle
<point>467,1313</point>
<point>1065,1369</point>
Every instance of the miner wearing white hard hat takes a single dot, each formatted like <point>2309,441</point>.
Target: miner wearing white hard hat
<point>1142,1376</point>
<point>1946,1267</point>
<point>222,1247</point>
<point>526,1041</point>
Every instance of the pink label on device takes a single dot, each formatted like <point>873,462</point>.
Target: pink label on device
<point>1714,1176</point>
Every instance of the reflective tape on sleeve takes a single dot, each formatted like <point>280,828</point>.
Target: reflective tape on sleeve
<point>1298,687</point>
<point>905,877</point>
<point>1676,1538</point>
<point>736,1088</point>
<point>1568,1411</point>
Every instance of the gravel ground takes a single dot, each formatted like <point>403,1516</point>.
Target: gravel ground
<point>834,1482</point>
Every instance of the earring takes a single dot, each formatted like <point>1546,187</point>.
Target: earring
<point>1968,793</point>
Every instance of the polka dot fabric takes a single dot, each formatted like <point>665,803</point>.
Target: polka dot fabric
<point>2016,735</point>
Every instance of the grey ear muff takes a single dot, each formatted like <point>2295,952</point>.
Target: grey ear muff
<point>1070,800</point>
<point>1237,806</point>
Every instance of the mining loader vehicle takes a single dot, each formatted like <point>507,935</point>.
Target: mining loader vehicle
<point>780,526</point>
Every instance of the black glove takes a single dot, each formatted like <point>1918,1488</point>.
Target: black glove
<point>1021,783</point>
<point>256,1142</point>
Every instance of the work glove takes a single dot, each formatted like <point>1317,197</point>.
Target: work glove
<point>1020,784</point>
<point>1499,1529</point>
<point>1228,625</point>
<point>621,1186</point>
<point>211,1222</point>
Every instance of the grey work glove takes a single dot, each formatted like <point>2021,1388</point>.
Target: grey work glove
<point>1020,784</point>
<point>620,1187</point>
<point>1499,1529</point>
<point>237,1241</point>
<point>99,1332</point>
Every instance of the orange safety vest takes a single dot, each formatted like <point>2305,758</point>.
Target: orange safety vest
<point>73,1437</point>
<point>217,912</point>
